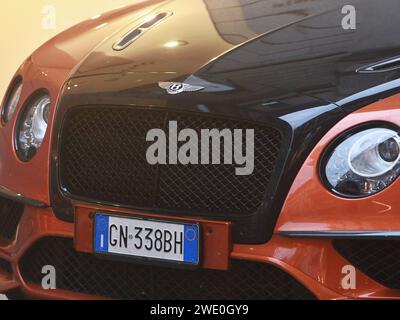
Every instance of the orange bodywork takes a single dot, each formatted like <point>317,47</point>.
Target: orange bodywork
<point>50,67</point>
<point>313,262</point>
<point>309,205</point>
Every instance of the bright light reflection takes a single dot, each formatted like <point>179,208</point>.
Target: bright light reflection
<point>171,44</point>
<point>175,43</point>
<point>149,18</point>
<point>101,26</point>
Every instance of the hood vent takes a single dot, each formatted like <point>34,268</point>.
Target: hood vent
<point>137,32</point>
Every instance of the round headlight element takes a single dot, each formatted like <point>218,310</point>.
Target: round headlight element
<point>12,100</point>
<point>364,163</point>
<point>32,126</point>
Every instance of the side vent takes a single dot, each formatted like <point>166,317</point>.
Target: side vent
<point>381,66</point>
<point>137,32</point>
<point>5,266</point>
<point>10,215</point>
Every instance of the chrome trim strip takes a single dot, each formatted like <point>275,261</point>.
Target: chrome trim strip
<point>15,196</point>
<point>381,66</point>
<point>384,235</point>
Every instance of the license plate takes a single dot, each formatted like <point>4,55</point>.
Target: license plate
<point>147,239</point>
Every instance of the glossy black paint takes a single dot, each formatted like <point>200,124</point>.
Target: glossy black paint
<point>301,73</point>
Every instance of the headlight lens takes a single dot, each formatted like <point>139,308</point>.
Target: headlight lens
<point>365,163</point>
<point>12,101</point>
<point>32,127</point>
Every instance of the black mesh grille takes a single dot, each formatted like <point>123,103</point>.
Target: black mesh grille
<point>85,273</point>
<point>103,157</point>
<point>10,215</point>
<point>5,266</point>
<point>378,259</point>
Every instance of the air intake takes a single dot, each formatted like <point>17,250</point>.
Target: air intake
<point>103,159</point>
<point>10,215</point>
<point>84,273</point>
<point>378,259</point>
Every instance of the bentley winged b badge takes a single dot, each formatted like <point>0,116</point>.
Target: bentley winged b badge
<point>179,87</point>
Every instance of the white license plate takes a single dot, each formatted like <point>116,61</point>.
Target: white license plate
<point>148,239</point>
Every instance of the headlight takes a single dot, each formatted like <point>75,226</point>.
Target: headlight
<point>11,101</point>
<point>364,163</point>
<point>32,126</point>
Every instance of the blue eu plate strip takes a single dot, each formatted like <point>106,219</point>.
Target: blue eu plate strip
<point>191,244</point>
<point>101,233</point>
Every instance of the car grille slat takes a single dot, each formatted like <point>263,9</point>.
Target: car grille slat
<point>103,159</point>
<point>85,273</point>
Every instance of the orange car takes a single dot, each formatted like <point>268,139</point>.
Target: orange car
<point>310,212</point>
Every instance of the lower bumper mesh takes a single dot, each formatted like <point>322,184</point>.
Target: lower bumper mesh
<point>377,259</point>
<point>83,273</point>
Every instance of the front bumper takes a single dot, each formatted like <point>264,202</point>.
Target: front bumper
<point>309,258</point>
<point>313,264</point>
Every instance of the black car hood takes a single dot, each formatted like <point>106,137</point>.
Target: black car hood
<point>285,50</point>
<point>286,63</point>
